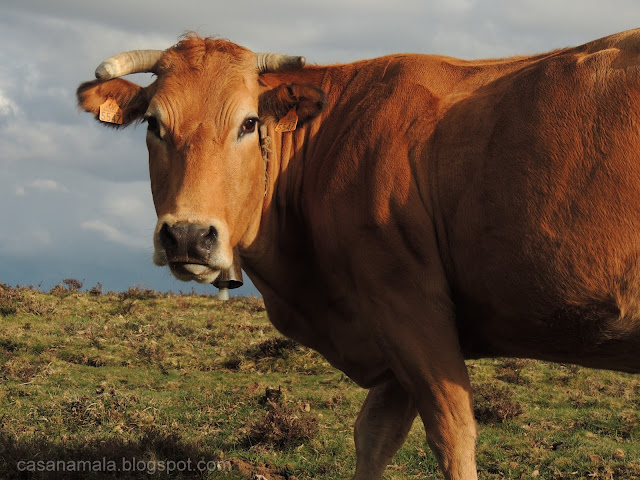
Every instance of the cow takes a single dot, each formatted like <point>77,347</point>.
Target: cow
<point>402,214</point>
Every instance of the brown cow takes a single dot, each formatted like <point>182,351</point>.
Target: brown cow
<point>424,210</point>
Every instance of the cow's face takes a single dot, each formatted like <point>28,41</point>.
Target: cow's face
<point>207,171</point>
<point>205,161</point>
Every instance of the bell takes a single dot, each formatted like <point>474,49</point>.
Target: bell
<point>228,279</point>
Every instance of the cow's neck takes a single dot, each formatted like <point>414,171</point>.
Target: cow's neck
<point>280,259</point>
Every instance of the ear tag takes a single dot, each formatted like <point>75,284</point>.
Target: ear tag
<point>110,112</point>
<point>289,122</point>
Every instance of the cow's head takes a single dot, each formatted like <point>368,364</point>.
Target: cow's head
<point>207,170</point>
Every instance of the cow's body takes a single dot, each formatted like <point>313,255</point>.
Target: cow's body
<point>435,210</point>
<point>539,209</point>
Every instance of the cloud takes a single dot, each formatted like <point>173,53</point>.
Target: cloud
<point>114,235</point>
<point>41,185</point>
<point>48,185</point>
<point>78,192</point>
<point>125,215</point>
<point>7,106</point>
<point>131,207</point>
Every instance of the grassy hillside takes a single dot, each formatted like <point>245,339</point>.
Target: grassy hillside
<point>106,385</point>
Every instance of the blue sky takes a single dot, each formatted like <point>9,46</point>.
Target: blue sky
<point>74,196</point>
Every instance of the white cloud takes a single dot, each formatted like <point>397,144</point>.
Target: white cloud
<point>129,206</point>
<point>42,185</point>
<point>7,106</point>
<point>48,185</point>
<point>114,235</point>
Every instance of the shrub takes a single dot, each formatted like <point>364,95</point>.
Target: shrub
<point>72,284</point>
<point>9,301</point>
<point>136,292</point>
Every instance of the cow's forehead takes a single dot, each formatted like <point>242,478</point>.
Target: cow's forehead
<point>207,88</point>
<point>203,77</point>
<point>195,53</point>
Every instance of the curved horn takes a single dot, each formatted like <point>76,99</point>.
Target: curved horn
<point>136,61</point>
<point>276,62</point>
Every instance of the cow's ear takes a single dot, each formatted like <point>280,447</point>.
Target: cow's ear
<point>308,100</point>
<point>130,98</point>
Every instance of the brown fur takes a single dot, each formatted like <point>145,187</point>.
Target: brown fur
<point>192,51</point>
<point>429,210</point>
<point>309,101</point>
<point>132,99</point>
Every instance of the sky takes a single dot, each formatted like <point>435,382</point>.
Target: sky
<point>74,196</point>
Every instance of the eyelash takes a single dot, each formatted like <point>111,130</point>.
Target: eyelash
<point>248,126</point>
<point>153,126</point>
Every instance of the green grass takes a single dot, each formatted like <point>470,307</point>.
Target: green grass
<point>167,380</point>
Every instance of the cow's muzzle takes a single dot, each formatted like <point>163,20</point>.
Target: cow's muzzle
<point>188,249</point>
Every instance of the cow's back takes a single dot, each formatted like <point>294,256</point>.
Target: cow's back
<point>537,178</point>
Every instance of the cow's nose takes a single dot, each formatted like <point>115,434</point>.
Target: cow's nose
<point>188,242</point>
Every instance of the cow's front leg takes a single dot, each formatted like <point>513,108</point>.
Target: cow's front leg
<point>381,428</point>
<point>446,411</point>
<point>427,360</point>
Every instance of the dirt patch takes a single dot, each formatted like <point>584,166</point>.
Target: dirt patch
<point>494,403</point>
<point>259,471</point>
<point>282,427</point>
<point>272,348</point>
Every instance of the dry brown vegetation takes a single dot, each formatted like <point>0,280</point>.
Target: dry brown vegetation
<point>494,402</point>
<point>92,375</point>
<point>282,427</point>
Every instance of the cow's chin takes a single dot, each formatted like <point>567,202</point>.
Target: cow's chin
<point>193,271</point>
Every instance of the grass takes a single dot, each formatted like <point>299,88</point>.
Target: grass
<point>186,386</point>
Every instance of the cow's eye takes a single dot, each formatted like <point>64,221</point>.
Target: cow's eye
<point>248,126</point>
<point>153,126</point>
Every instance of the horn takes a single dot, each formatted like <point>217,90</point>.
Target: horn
<point>276,62</point>
<point>135,61</point>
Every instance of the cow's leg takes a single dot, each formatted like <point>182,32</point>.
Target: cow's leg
<point>427,360</point>
<point>446,411</point>
<point>381,428</point>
